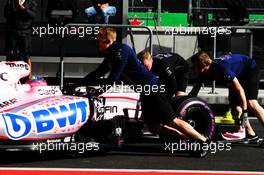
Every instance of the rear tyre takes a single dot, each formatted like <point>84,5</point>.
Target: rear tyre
<point>197,113</point>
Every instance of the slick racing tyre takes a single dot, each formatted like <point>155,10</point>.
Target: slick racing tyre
<point>197,113</point>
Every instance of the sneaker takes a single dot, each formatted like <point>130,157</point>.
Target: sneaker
<point>241,134</point>
<point>262,144</point>
<point>251,138</point>
<point>199,152</point>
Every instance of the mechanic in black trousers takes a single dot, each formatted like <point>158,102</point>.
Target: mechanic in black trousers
<point>241,74</point>
<point>19,16</point>
<point>171,69</point>
<point>123,64</point>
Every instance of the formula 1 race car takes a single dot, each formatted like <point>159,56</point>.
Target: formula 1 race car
<point>34,113</point>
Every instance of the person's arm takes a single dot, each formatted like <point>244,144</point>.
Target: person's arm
<point>239,89</point>
<point>198,84</point>
<point>195,90</point>
<point>230,77</point>
<point>172,83</point>
<point>97,74</point>
<point>168,77</point>
<point>120,58</point>
<point>92,78</point>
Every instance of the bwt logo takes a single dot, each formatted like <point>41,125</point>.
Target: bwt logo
<point>45,120</point>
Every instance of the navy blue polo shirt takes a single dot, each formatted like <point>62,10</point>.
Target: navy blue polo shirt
<point>122,62</point>
<point>228,67</point>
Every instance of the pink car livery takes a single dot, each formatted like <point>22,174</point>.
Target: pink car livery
<point>34,110</point>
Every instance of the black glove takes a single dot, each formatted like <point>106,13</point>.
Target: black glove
<point>92,92</point>
<point>243,118</point>
<point>69,89</point>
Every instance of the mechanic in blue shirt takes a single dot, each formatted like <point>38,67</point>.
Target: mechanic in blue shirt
<point>242,76</point>
<point>123,63</point>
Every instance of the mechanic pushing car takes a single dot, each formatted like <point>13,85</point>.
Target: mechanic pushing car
<point>171,69</point>
<point>123,64</point>
<point>242,76</point>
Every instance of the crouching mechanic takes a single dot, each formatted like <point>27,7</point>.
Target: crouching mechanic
<point>241,74</point>
<point>123,64</point>
<point>162,71</point>
<point>171,69</point>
